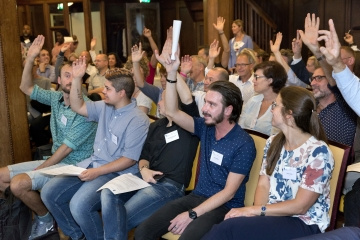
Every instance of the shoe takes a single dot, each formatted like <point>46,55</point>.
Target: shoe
<point>40,228</point>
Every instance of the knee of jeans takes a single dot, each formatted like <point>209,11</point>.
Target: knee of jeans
<point>20,183</point>
<point>106,195</point>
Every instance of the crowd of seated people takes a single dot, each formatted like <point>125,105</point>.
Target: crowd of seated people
<point>99,121</point>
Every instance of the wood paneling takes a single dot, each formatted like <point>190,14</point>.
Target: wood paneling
<point>14,135</point>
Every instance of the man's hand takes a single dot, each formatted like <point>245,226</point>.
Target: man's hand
<point>349,38</point>
<point>179,223</point>
<point>65,47</point>
<point>36,47</point>
<point>89,174</point>
<point>214,49</point>
<point>92,44</point>
<point>137,53</point>
<point>148,175</point>
<point>332,47</point>
<point>311,33</point>
<point>275,47</point>
<point>297,46</point>
<point>79,67</point>
<point>219,26</point>
<point>147,32</point>
<point>186,64</point>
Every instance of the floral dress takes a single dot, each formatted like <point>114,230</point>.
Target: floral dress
<point>309,167</point>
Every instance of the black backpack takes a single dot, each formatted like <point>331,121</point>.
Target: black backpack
<point>15,218</point>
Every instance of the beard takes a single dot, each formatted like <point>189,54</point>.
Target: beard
<point>215,120</point>
<point>66,88</point>
<point>319,94</point>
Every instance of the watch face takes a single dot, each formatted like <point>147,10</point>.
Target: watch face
<point>263,208</point>
<point>192,214</point>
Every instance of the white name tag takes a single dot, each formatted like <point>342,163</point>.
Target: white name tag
<point>26,41</point>
<point>114,139</point>
<point>63,119</point>
<point>252,124</point>
<point>171,136</point>
<point>216,158</point>
<point>289,173</point>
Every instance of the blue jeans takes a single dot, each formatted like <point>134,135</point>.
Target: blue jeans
<point>122,212</point>
<point>75,205</point>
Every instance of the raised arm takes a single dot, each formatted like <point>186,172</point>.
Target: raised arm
<point>310,39</point>
<point>219,26</point>
<point>297,46</point>
<point>76,98</point>
<point>214,52</point>
<point>181,86</point>
<point>147,34</point>
<point>171,100</point>
<point>275,48</point>
<point>27,85</point>
<point>136,55</point>
<point>92,49</point>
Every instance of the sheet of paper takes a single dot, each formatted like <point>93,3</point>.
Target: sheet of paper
<point>68,170</point>
<point>175,40</point>
<point>125,183</point>
<point>353,167</point>
<point>68,39</point>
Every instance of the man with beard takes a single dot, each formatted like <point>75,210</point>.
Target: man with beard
<point>73,137</point>
<point>26,40</point>
<point>337,118</point>
<point>227,154</point>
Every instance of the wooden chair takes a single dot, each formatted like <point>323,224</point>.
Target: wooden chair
<point>260,140</point>
<point>341,155</point>
<point>153,109</point>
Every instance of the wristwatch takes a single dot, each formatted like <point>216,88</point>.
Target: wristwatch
<point>192,214</point>
<point>263,210</point>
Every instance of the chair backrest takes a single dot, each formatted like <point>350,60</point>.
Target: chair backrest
<point>260,141</point>
<point>153,109</point>
<point>341,155</point>
<point>194,169</point>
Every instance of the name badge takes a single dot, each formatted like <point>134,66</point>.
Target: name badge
<point>26,41</point>
<point>171,136</point>
<point>252,124</point>
<point>63,119</point>
<point>114,139</point>
<point>289,173</point>
<point>216,158</point>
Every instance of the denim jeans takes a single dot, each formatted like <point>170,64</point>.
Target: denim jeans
<point>75,205</point>
<point>122,212</point>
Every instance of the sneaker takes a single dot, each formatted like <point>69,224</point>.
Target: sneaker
<point>40,228</point>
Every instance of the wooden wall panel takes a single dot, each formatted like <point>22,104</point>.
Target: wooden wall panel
<point>14,135</point>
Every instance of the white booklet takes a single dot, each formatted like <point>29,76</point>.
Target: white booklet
<point>125,183</point>
<point>353,167</point>
<point>68,170</point>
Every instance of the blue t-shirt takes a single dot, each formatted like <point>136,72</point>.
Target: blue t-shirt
<point>238,153</point>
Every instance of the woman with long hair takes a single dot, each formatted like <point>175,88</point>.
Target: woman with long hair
<point>114,61</point>
<point>292,198</point>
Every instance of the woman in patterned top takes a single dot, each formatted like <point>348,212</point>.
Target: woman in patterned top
<point>292,197</point>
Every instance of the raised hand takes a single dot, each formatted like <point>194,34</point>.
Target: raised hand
<point>186,64</point>
<point>332,45</point>
<point>349,38</point>
<point>147,32</point>
<point>310,36</point>
<point>65,47</point>
<point>297,45</point>
<point>219,26</point>
<point>275,47</point>
<point>93,44</point>
<point>36,47</point>
<point>214,49</point>
<point>79,67</point>
<point>137,53</point>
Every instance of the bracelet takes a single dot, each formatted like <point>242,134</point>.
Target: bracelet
<point>221,33</point>
<point>145,166</point>
<point>183,74</point>
<point>171,81</point>
<point>320,58</point>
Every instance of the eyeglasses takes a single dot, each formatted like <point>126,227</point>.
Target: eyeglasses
<point>241,64</point>
<point>317,78</point>
<point>256,77</point>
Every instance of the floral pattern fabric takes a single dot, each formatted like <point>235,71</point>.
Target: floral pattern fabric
<point>311,164</point>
